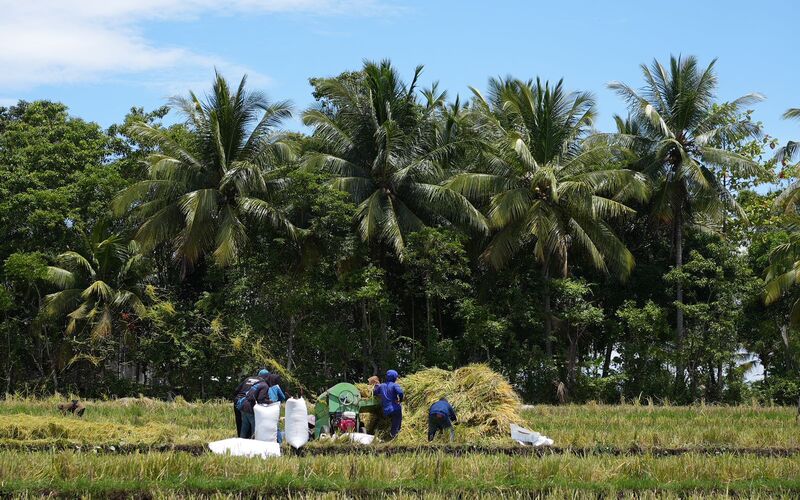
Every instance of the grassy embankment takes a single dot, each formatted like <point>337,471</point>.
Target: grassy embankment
<point>602,449</point>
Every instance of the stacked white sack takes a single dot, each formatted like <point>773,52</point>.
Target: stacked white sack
<point>296,422</point>
<point>267,417</point>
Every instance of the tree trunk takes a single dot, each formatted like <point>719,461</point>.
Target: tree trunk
<point>413,324</point>
<point>572,363</point>
<point>429,320</point>
<point>607,359</point>
<point>680,366</point>
<point>548,319</point>
<point>290,342</point>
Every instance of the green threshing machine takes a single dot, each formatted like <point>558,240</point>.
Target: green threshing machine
<point>339,409</point>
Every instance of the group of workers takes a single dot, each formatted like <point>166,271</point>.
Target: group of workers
<point>265,388</point>
<point>441,414</point>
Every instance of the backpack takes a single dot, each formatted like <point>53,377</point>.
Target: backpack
<point>250,395</point>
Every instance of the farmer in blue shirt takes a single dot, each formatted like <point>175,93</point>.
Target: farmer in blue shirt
<point>391,395</point>
<point>276,395</point>
<point>440,417</point>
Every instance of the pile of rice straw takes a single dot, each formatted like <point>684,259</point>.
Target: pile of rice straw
<point>484,401</point>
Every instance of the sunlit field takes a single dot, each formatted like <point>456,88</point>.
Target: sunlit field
<point>153,448</point>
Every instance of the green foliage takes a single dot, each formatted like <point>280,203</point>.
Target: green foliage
<point>405,231</point>
<point>382,148</point>
<point>199,194</point>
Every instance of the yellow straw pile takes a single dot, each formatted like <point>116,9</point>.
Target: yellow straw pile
<point>484,401</point>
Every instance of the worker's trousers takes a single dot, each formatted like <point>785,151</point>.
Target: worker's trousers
<point>397,420</point>
<point>248,425</point>
<point>439,422</point>
<point>237,415</point>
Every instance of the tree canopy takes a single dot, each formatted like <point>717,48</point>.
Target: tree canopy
<point>404,228</point>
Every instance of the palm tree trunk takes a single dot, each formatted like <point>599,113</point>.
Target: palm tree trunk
<point>290,342</point>
<point>548,319</point>
<point>680,366</point>
<point>572,363</point>
<point>429,320</point>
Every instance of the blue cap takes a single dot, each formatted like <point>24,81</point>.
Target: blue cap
<point>263,372</point>
<point>391,376</point>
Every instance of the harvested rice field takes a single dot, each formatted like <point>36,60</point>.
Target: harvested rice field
<point>146,448</point>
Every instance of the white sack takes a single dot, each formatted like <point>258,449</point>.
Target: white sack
<point>526,436</point>
<point>361,438</point>
<point>296,422</point>
<point>267,417</point>
<point>239,447</point>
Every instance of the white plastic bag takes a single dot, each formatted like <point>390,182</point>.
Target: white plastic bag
<point>296,422</point>
<point>361,438</point>
<point>526,436</point>
<point>267,417</point>
<point>239,447</point>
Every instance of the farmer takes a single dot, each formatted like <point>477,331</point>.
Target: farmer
<point>440,417</point>
<point>240,392</point>
<point>258,394</point>
<point>391,395</point>
<point>275,394</point>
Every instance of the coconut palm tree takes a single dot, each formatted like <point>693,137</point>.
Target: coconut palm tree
<point>676,127</point>
<point>786,155</point>
<point>384,148</point>
<point>545,189</point>
<point>97,285</point>
<point>783,272</point>
<point>200,194</point>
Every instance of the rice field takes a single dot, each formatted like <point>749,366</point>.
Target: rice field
<point>146,448</point>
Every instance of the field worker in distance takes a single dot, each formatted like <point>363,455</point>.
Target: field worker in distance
<point>391,395</point>
<point>440,417</point>
<point>276,394</point>
<point>240,392</point>
<point>257,394</point>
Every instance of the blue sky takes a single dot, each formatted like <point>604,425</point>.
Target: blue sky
<point>101,57</point>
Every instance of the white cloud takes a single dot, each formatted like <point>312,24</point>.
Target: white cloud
<point>67,41</point>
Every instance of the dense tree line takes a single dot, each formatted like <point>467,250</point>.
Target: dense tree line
<point>404,230</point>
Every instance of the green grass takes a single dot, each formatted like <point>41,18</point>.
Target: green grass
<point>718,455</point>
<point>69,472</point>
<point>667,426</point>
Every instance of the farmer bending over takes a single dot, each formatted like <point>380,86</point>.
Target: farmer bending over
<point>391,395</point>
<point>440,417</point>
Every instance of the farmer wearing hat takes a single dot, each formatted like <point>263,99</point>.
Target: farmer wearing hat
<point>241,391</point>
<point>391,396</point>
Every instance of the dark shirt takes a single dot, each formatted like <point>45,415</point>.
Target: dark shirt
<point>261,396</point>
<point>246,384</point>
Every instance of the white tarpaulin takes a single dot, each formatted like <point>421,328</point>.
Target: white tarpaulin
<point>526,436</point>
<point>239,447</point>
<point>296,422</point>
<point>267,417</point>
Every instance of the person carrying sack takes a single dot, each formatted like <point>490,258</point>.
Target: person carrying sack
<point>257,394</point>
<point>440,417</point>
<point>241,391</point>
